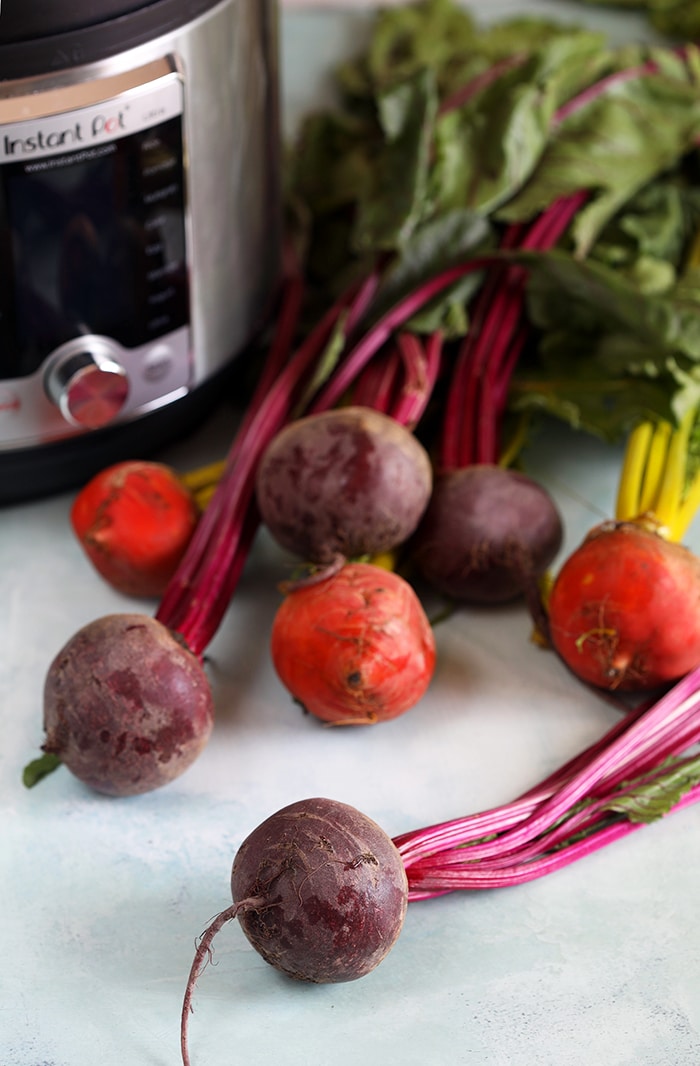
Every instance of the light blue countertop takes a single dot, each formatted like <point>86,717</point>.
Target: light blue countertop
<point>102,899</point>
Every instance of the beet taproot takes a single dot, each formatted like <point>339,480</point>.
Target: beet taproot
<point>127,707</point>
<point>346,482</point>
<point>320,891</point>
<point>486,533</point>
<point>354,648</point>
<point>624,609</point>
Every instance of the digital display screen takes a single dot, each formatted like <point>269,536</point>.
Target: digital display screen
<point>93,241</point>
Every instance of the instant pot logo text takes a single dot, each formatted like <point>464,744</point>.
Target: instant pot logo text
<point>66,138</point>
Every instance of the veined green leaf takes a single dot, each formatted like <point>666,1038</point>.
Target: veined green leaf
<point>605,147</point>
<point>677,18</point>
<point>607,354</point>
<point>395,199</point>
<point>652,800</point>
<point>435,246</point>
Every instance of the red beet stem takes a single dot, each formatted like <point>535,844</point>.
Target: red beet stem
<point>422,366</point>
<point>378,381</point>
<point>201,596</point>
<point>378,334</point>
<point>176,598</point>
<point>488,354</point>
<point>570,813</point>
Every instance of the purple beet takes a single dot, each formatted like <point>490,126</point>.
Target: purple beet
<point>127,707</point>
<point>486,533</point>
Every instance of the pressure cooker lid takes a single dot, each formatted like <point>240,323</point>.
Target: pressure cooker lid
<point>27,20</point>
<point>40,36</point>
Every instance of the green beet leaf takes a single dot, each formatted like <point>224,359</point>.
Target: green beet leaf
<point>676,18</point>
<point>608,355</point>
<point>654,798</point>
<point>605,147</point>
<point>396,199</point>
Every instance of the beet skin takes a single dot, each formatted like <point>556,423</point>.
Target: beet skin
<point>332,891</point>
<point>487,533</point>
<point>624,610</point>
<point>355,648</point>
<point>127,707</point>
<point>347,482</point>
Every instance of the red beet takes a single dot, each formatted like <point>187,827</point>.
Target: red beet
<point>624,610</point>
<point>350,482</point>
<point>320,891</point>
<point>354,648</point>
<point>127,707</point>
<point>486,533</point>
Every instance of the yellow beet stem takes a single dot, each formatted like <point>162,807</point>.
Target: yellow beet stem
<point>631,477</point>
<point>516,444</point>
<point>203,477</point>
<point>202,482</point>
<point>686,512</point>
<point>654,472</point>
<point>384,560</point>
<point>689,504</point>
<point>672,485</point>
<point>653,477</point>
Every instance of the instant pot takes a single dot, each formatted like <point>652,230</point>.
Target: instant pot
<point>140,223</point>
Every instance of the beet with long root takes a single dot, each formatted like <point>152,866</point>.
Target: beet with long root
<point>320,891</point>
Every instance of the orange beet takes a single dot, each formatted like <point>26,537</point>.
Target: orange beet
<point>355,648</point>
<point>134,521</point>
<point>624,610</point>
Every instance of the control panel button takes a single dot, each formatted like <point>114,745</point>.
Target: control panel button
<point>88,385</point>
<point>158,363</point>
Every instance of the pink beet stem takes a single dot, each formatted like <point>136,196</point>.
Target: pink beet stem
<point>377,383</point>
<point>512,842</point>
<point>422,369</point>
<point>203,613</point>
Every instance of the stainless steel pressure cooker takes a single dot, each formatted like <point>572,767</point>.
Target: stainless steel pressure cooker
<point>139,222</point>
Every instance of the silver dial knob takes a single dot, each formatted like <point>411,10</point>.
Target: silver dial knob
<point>87,383</point>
